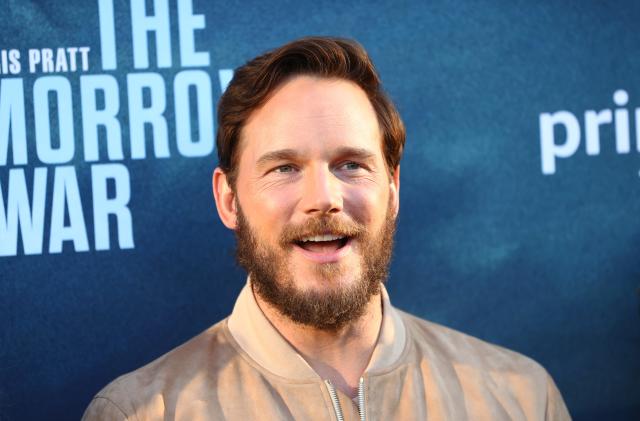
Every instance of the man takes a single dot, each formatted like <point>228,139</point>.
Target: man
<point>309,150</point>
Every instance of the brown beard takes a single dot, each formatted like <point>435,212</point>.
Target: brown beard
<point>326,310</point>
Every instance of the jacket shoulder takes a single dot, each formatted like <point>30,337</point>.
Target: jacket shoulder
<point>462,349</point>
<point>480,369</point>
<point>148,390</point>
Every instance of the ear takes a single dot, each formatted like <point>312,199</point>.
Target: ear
<point>394,187</point>
<point>225,199</point>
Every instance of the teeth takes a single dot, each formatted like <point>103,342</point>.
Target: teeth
<point>322,238</point>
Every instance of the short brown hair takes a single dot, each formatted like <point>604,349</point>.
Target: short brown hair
<point>327,57</point>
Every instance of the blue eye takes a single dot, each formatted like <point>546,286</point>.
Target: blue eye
<point>284,169</point>
<point>352,166</point>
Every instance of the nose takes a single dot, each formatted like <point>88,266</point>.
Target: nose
<point>322,192</point>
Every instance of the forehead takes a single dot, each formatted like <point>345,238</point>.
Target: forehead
<point>312,114</point>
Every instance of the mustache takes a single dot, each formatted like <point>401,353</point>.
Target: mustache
<point>320,226</point>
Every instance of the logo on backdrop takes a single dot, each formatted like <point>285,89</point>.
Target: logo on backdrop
<point>567,126</point>
<point>23,191</point>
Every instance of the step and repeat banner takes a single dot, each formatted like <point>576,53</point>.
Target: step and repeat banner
<point>519,200</point>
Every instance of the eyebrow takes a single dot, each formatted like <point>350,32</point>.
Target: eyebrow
<point>292,154</point>
<point>278,155</point>
<point>359,153</point>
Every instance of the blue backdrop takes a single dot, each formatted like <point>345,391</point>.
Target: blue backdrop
<point>519,182</point>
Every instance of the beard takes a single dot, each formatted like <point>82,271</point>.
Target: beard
<point>329,309</point>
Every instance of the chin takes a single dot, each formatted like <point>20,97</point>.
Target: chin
<point>326,282</point>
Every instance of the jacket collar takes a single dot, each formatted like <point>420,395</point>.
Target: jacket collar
<point>267,347</point>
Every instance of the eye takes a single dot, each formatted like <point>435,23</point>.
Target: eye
<point>284,169</point>
<point>351,166</point>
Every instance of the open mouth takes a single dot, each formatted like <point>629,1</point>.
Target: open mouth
<point>323,243</point>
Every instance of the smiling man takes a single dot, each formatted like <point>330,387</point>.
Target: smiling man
<point>309,179</point>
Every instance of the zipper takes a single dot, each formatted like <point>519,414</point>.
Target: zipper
<point>334,400</point>
<point>336,403</point>
<point>361,409</point>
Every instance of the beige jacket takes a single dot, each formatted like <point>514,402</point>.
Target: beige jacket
<point>243,369</point>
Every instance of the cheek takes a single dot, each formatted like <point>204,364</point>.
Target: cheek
<point>366,205</point>
<point>268,212</point>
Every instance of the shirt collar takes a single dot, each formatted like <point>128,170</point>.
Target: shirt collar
<point>266,346</point>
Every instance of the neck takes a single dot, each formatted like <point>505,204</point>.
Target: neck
<point>340,356</point>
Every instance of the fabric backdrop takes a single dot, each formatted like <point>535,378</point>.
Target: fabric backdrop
<point>519,184</point>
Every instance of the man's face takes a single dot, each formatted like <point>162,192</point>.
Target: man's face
<point>316,206</point>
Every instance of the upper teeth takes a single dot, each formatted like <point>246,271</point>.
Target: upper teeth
<point>322,238</point>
